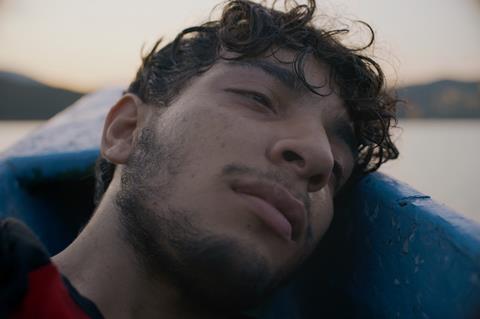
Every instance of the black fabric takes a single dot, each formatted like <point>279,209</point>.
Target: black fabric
<point>20,252</point>
<point>86,304</point>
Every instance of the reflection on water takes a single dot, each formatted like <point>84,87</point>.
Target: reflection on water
<point>438,157</point>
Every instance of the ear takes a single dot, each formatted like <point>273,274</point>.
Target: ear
<point>120,126</point>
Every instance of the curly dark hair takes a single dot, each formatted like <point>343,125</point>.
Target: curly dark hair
<point>249,30</point>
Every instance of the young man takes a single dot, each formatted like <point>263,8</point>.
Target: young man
<point>218,170</point>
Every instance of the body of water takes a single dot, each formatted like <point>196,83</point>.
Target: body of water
<point>12,131</point>
<point>440,158</point>
<point>437,157</point>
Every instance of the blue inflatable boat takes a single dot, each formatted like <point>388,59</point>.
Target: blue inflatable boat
<point>391,252</point>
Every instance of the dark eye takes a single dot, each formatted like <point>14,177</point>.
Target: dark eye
<point>256,97</point>
<point>337,172</point>
<point>260,98</point>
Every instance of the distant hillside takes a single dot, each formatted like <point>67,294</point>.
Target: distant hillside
<point>442,99</point>
<point>22,98</point>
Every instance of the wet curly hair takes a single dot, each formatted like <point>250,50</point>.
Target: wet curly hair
<point>250,30</point>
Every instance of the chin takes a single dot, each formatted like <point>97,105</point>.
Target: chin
<point>223,272</point>
<point>227,275</point>
<point>215,271</point>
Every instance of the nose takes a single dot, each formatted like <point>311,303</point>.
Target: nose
<point>309,156</point>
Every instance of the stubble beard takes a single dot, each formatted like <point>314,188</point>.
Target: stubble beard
<point>210,271</point>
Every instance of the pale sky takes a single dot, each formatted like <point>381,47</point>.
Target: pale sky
<point>90,44</point>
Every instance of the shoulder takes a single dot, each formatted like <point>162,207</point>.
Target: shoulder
<point>19,246</point>
<point>20,253</point>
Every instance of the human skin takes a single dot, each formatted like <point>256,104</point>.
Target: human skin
<point>221,137</point>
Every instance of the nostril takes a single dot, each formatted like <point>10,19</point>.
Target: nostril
<point>290,156</point>
<point>315,180</point>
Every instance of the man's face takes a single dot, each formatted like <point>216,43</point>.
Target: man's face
<point>230,187</point>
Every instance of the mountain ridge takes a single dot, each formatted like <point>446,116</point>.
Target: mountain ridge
<point>23,98</point>
<point>440,99</point>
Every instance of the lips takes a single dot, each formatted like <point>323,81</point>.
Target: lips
<point>275,206</point>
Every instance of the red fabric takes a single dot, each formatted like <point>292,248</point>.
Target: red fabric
<point>47,297</point>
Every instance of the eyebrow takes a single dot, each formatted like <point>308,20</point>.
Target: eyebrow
<point>285,76</point>
<point>340,126</point>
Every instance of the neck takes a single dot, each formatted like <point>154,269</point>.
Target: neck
<point>104,268</point>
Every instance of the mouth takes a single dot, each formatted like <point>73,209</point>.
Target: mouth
<point>276,207</point>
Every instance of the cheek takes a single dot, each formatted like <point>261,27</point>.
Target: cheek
<point>218,137</point>
<point>321,213</point>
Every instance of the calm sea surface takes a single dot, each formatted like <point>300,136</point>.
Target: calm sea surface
<point>440,158</point>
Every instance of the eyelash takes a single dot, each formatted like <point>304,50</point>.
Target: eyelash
<point>256,96</point>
